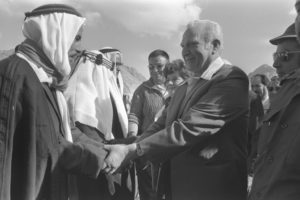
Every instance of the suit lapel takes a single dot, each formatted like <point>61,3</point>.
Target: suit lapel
<point>177,100</point>
<point>197,89</point>
<point>281,100</point>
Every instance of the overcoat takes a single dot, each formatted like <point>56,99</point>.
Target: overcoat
<point>277,167</point>
<point>35,158</point>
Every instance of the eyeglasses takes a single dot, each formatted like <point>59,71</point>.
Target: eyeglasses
<point>157,67</point>
<point>283,55</point>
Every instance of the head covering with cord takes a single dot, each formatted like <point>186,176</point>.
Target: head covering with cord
<point>50,31</point>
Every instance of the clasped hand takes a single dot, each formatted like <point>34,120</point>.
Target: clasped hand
<point>119,155</point>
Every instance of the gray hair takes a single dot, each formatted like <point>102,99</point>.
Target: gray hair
<point>208,30</point>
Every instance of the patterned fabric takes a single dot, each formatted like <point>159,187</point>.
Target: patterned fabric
<point>38,62</point>
<point>91,93</point>
<point>147,100</point>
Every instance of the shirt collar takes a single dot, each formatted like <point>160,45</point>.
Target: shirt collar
<point>212,68</point>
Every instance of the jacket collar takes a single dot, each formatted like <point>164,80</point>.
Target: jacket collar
<point>290,87</point>
<point>212,68</point>
<point>150,85</point>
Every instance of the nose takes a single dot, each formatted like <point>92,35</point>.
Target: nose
<point>184,51</point>
<point>154,69</point>
<point>276,63</point>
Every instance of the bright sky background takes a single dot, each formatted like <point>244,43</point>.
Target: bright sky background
<point>137,27</point>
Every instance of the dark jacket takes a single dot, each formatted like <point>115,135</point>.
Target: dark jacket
<point>277,168</point>
<point>34,155</point>
<point>255,117</point>
<point>212,115</point>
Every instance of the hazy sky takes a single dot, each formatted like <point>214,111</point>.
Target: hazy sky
<point>137,27</point>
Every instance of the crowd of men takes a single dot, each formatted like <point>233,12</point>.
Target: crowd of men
<point>194,129</point>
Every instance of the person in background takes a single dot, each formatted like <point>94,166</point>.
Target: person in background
<point>115,56</point>
<point>259,83</point>
<point>277,168</point>
<point>175,73</point>
<point>93,92</point>
<point>203,133</point>
<point>38,147</point>
<point>256,113</point>
<point>147,100</point>
<point>273,86</point>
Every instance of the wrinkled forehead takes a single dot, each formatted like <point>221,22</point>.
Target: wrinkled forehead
<point>195,33</point>
<point>158,60</point>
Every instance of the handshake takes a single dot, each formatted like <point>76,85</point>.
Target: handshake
<point>120,153</point>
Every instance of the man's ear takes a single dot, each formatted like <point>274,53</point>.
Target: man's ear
<point>216,44</point>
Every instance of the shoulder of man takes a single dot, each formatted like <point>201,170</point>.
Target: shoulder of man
<point>14,66</point>
<point>146,84</point>
<point>230,71</point>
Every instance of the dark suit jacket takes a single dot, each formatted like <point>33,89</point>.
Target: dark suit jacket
<point>34,155</point>
<point>213,114</point>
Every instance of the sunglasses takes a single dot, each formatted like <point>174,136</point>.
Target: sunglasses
<point>283,55</point>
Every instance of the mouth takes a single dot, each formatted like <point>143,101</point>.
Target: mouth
<point>188,58</point>
<point>279,73</point>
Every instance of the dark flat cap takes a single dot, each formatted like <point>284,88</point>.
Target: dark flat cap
<point>51,8</point>
<point>289,33</point>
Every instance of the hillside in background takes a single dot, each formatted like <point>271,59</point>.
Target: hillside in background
<point>131,77</point>
<point>264,69</point>
<point>5,53</point>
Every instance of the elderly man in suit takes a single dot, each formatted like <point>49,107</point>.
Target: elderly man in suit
<point>203,132</point>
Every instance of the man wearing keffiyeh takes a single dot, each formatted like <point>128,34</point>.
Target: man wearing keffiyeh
<point>37,149</point>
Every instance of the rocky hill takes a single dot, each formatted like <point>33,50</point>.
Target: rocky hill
<point>5,53</point>
<point>131,77</point>
<point>264,69</point>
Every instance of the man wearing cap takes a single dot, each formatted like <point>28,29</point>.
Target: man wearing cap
<point>277,168</point>
<point>37,148</point>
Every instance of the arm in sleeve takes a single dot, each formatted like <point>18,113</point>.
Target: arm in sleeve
<point>155,127</point>
<point>135,116</point>
<point>85,156</point>
<point>225,101</point>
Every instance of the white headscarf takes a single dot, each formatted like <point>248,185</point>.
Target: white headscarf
<point>54,33</point>
<point>89,94</point>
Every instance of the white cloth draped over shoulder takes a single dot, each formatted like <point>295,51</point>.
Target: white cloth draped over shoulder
<point>90,92</point>
<point>54,34</point>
